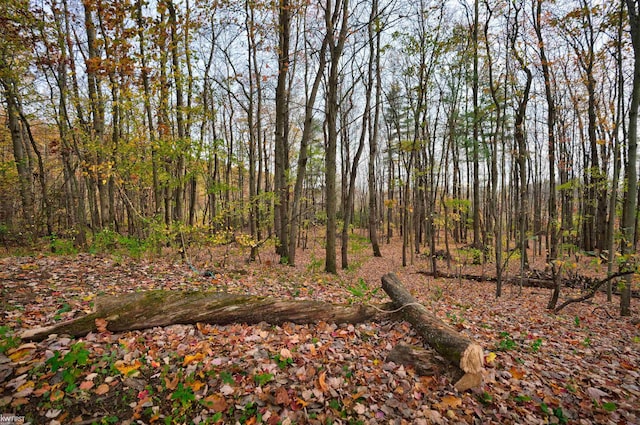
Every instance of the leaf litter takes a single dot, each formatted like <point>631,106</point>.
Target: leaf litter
<point>575,367</point>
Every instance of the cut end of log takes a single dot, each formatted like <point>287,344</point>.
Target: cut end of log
<point>472,359</point>
<point>468,381</point>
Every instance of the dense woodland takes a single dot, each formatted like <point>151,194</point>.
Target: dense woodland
<point>493,125</point>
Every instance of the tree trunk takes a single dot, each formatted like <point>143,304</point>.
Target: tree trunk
<point>336,47</point>
<point>19,154</point>
<point>631,171</point>
<point>281,186</point>
<point>374,53</point>
<point>456,348</point>
<point>144,310</point>
<point>303,155</point>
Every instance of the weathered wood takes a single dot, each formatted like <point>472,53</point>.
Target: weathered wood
<point>593,290</point>
<point>420,359</point>
<point>538,280</point>
<point>142,310</point>
<point>453,346</point>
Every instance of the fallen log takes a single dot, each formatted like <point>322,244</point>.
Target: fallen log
<point>143,310</point>
<point>539,281</point>
<point>593,290</point>
<point>453,346</point>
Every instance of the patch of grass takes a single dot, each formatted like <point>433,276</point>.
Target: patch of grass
<point>62,246</point>
<point>315,264</point>
<point>522,399</point>
<point>262,379</point>
<point>454,319</point>
<point>506,342</point>
<point>485,398</point>
<point>361,291</point>
<point>282,362</point>
<point>535,345</point>
<point>7,339</point>
<point>184,395</point>
<point>438,293</point>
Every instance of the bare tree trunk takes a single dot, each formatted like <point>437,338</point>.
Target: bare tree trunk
<point>281,186</point>
<point>336,46</point>
<point>374,51</point>
<point>631,172</point>
<point>307,132</point>
<point>179,172</point>
<point>616,153</point>
<point>20,157</point>
<point>553,228</point>
<point>521,145</point>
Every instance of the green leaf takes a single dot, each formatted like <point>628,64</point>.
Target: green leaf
<point>609,406</point>
<point>545,408</point>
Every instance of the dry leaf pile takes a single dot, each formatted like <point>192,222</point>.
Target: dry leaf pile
<point>580,366</point>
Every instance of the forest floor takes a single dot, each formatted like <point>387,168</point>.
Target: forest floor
<point>579,366</point>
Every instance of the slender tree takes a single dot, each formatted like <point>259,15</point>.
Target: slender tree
<point>631,172</point>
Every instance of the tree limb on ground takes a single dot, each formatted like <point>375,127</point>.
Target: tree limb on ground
<point>593,291</point>
<point>448,342</point>
<point>538,281</point>
<point>143,310</point>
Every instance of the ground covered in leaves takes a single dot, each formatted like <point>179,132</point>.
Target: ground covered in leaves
<point>580,366</point>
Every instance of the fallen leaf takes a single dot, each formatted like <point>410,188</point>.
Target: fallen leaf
<point>128,370</point>
<point>196,385</point>
<point>171,384</point>
<point>449,402</point>
<point>86,385</point>
<point>102,389</point>
<point>53,413</point>
<point>596,394</point>
<point>285,353</point>
<point>226,389</point>
<point>56,395</point>
<point>321,382</point>
<point>101,325</point>
<point>516,373</point>
<point>188,359</point>
<point>215,403</point>
<point>19,402</point>
<point>282,396</point>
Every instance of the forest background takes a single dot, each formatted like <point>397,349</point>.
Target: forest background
<point>484,125</point>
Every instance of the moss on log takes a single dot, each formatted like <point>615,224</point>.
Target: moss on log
<point>142,310</point>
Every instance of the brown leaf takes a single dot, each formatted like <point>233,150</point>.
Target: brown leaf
<point>102,389</point>
<point>56,395</point>
<point>171,384</point>
<point>449,402</point>
<point>216,403</point>
<point>321,382</point>
<point>86,385</point>
<point>282,396</point>
<point>101,325</point>
<point>516,373</point>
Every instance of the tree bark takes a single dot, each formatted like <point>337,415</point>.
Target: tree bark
<point>628,224</point>
<point>143,310</point>
<point>456,348</point>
